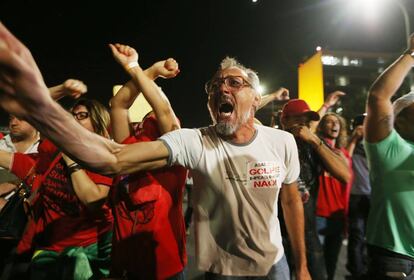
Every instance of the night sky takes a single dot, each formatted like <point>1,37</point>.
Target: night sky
<point>69,40</point>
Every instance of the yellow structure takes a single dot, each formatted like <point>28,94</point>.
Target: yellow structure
<point>311,81</point>
<point>139,109</point>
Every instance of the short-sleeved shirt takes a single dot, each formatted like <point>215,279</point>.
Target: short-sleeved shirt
<point>391,217</point>
<point>236,189</point>
<point>61,219</point>
<point>149,239</point>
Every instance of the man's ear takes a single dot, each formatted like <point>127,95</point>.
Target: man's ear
<point>257,100</point>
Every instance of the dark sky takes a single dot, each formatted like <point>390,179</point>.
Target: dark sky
<point>69,39</point>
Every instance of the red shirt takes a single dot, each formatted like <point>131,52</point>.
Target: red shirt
<point>149,232</point>
<point>333,196</point>
<point>61,219</point>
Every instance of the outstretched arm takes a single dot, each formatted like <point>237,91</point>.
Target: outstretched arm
<point>380,120</point>
<point>24,94</point>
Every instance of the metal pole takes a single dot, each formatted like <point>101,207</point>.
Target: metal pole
<point>407,37</point>
<point>406,21</point>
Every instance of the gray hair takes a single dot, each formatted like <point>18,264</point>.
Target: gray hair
<point>253,78</point>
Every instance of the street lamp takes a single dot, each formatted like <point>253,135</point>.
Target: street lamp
<point>406,21</point>
<point>369,6</point>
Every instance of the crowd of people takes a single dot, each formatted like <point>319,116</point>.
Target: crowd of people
<point>266,203</point>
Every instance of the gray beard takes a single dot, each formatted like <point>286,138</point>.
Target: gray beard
<point>225,128</point>
<point>228,129</point>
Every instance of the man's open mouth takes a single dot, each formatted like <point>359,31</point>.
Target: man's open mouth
<point>225,109</point>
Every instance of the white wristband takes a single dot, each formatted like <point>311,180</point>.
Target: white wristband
<point>131,65</point>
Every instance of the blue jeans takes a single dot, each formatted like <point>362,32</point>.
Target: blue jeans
<point>279,271</point>
<point>357,250</point>
<point>387,265</point>
<point>331,235</point>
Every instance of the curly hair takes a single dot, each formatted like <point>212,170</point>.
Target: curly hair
<point>342,139</point>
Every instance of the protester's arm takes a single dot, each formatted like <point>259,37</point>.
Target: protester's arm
<point>334,163</point>
<point>380,121</point>
<point>329,102</point>
<point>127,56</point>
<point>293,213</point>
<point>5,159</point>
<point>280,94</point>
<point>126,96</point>
<point>24,94</point>
<point>88,192</point>
<point>70,87</point>
<point>357,135</point>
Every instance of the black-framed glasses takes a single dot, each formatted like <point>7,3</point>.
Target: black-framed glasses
<point>232,82</point>
<point>80,115</point>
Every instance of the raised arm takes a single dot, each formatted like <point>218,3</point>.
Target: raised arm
<point>330,101</point>
<point>24,94</point>
<point>70,87</point>
<point>126,96</point>
<point>380,119</point>
<point>357,135</point>
<point>128,58</point>
<point>280,94</point>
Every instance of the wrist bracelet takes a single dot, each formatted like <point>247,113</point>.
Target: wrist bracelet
<point>74,168</point>
<point>319,145</point>
<point>72,164</point>
<point>131,65</point>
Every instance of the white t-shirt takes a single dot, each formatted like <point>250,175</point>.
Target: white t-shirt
<point>236,189</point>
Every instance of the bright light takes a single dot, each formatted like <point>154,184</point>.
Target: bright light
<point>318,48</point>
<point>254,1</point>
<point>261,89</point>
<point>369,7</point>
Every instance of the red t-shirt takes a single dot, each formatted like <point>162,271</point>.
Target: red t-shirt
<point>61,219</point>
<point>333,196</point>
<point>149,231</point>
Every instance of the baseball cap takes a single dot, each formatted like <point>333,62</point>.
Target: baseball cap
<point>296,107</point>
<point>403,102</point>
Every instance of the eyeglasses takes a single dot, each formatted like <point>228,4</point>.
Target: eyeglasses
<point>80,115</point>
<point>232,82</point>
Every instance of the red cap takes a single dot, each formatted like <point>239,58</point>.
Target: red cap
<point>296,107</point>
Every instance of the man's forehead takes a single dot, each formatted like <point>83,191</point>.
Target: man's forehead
<point>233,71</point>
